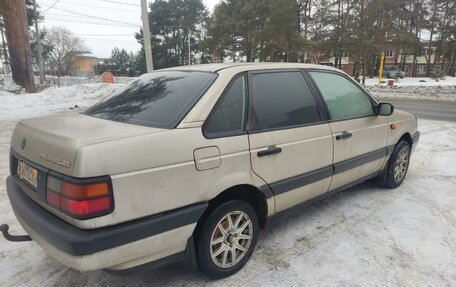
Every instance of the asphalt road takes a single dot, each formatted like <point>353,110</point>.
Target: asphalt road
<point>443,111</point>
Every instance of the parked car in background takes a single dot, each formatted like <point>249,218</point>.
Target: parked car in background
<point>188,163</point>
<point>393,72</point>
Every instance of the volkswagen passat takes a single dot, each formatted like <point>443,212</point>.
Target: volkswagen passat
<point>189,163</point>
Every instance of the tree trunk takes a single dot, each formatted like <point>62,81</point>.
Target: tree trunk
<point>14,16</point>
<point>414,64</point>
<point>431,37</point>
<point>452,70</point>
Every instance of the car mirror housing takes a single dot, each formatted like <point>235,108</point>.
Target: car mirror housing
<point>384,109</point>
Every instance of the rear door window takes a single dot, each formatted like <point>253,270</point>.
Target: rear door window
<point>159,99</point>
<point>282,100</point>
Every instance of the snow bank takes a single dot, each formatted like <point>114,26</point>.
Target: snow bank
<point>415,88</point>
<point>7,85</point>
<point>435,93</point>
<point>72,81</point>
<point>416,82</point>
<point>13,106</point>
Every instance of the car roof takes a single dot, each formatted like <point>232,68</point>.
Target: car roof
<point>250,66</point>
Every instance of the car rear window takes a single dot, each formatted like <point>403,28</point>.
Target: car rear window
<point>160,99</point>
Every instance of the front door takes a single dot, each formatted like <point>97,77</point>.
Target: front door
<point>290,146</point>
<point>359,136</point>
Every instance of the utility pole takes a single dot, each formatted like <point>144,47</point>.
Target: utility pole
<point>146,32</point>
<point>38,43</point>
<point>189,48</point>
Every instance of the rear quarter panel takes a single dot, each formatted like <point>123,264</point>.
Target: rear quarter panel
<point>152,174</point>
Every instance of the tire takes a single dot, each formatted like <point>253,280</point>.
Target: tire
<point>397,166</point>
<point>225,226</point>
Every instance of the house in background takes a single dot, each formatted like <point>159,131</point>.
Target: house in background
<point>346,63</point>
<point>408,63</point>
<point>397,58</point>
<point>84,66</point>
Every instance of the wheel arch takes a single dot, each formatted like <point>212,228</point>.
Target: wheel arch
<point>407,137</point>
<point>251,194</point>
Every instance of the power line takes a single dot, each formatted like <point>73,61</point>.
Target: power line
<point>50,7</point>
<point>88,22</point>
<point>95,17</point>
<point>112,40</point>
<point>117,2</point>
<point>102,35</point>
<point>95,6</point>
<point>112,43</point>
<point>77,17</point>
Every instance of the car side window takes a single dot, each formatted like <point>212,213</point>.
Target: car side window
<point>228,119</point>
<point>282,99</point>
<point>343,98</point>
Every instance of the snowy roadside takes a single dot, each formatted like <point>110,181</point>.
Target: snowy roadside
<point>415,82</point>
<point>14,106</point>
<point>415,88</point>
<point>426,93</point>
<point>365,236</point>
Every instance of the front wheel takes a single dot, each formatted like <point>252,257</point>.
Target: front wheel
<point>226,239</point>
<point>397,165</point>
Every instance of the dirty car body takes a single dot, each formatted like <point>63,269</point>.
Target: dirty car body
<point>188,163</point>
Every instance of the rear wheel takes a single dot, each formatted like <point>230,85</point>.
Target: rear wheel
<point>227,238</point>
<point>397,165</point>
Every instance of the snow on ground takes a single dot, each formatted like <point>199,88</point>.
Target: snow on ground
<point>429,93</point>
<point>417,82</point>
<point>415,88</point>
<point>365,236</point>
<point>14,106</point>
<point>71,81</point>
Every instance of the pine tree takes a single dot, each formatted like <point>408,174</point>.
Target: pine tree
<point>171,24</point>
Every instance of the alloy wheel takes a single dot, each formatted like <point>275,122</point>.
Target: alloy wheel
<point>231,239</point>
<point>401,165</point>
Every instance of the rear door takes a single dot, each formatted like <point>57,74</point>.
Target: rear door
<point>290,144</point>
<point>359,136</point>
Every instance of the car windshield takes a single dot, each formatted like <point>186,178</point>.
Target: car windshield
<point>160,99</point>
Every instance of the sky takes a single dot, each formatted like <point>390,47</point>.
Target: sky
<point>112,22</point>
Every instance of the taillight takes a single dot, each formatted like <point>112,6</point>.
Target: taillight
<point>81,199</point>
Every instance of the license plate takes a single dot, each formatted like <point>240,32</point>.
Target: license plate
<point>27,173</point>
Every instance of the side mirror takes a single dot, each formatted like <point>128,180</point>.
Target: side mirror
<point>384,109</point>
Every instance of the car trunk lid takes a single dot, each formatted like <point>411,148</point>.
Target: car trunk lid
<point>54,141</point>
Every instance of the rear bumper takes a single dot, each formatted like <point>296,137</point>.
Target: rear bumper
<point>120,246</point>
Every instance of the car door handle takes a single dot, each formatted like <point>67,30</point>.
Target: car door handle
<point>270,151</point>
<point>343,136</point>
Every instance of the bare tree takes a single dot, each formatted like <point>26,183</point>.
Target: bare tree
<point>15,20</point>
<point>66,48</point>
